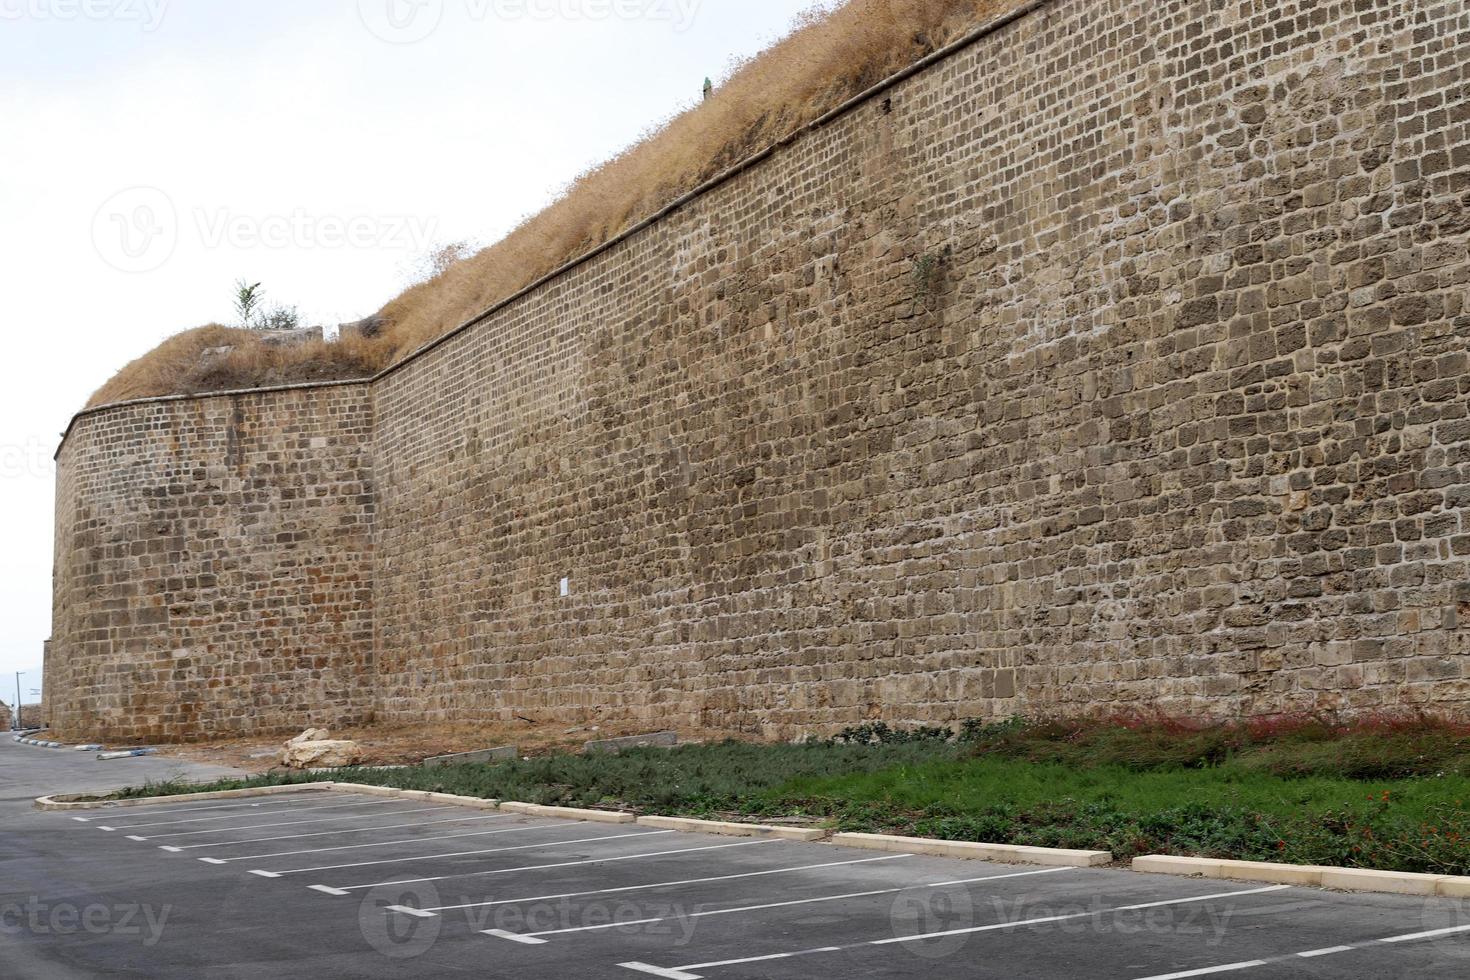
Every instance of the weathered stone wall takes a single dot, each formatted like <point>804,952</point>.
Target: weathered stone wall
<point>1118,361</point>
<point>213,566</point>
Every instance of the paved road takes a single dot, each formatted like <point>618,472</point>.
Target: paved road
<point>326,886</point>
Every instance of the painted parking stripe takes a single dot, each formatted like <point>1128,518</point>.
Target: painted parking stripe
<point>1412,937</point>
<point>544,867</point>
<point>648,887</point>
<point>294,823</point>
<point>685,972</point>
<point>1415,937</point>
<point>668,974</point>
<point>385,843</point>
<point>455,854</point>
<point>775,905</point>
<point>1329,951</point>
<point>1207,971</point>
<point>334,833</point>
<point>235,816</point>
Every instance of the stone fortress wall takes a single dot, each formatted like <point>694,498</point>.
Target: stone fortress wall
<point>214,566</point>
<point>1119,359</point>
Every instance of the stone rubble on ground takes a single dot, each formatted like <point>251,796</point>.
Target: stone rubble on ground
<point>316,749</point>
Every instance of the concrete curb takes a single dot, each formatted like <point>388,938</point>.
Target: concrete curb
<point>70,801</point>
<point>24,739</point>
<point>40,744</point>
<point>1310,876</point>
<point>1003,853</point>
<point>473,802</point>
<point>613,746</point>
<point>569,813</point>
<point>504,753</point>
<point>807,834</point>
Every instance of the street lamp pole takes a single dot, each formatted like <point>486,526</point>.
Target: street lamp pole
<point>15,721</point>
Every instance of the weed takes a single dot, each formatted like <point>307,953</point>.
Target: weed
<point>1297,793</point>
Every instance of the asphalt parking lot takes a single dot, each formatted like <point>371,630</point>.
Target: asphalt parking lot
<point>338,885</point>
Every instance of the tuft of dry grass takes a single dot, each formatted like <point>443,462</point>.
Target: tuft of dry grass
<point>217,358</point>
<point>830,56</point>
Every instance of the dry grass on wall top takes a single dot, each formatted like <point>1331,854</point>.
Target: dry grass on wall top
<point>216,358</point>
<point>829,57</point>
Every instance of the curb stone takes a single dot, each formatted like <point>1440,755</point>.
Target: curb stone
<point>1312,876</point>
<point>571,813</point>
<point>730,829</point>
<point>71,801</point>
<point>504,753</point>
<point>613,746</point>
<point>23,739</point>
<point>1004,853</point>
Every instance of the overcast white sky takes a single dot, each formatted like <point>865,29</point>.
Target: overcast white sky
<point>154,151</point>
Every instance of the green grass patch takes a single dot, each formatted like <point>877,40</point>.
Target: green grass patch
<point>1387,795</point>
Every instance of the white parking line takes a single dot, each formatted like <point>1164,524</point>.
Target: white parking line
<point>293,823</point>
<point>543,867</point>
<point>235,816</point>
<point>534,937</point>
<point>1227,968</point>
<point>648,887</point>
<point>1412,937</point>
<point>386,843</point>
<point>455,854</point>
<point>684,972</point>
<point>337,833</point>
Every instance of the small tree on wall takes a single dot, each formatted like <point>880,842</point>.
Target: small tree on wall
<point>253,314</point>
<point>248,298</point>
